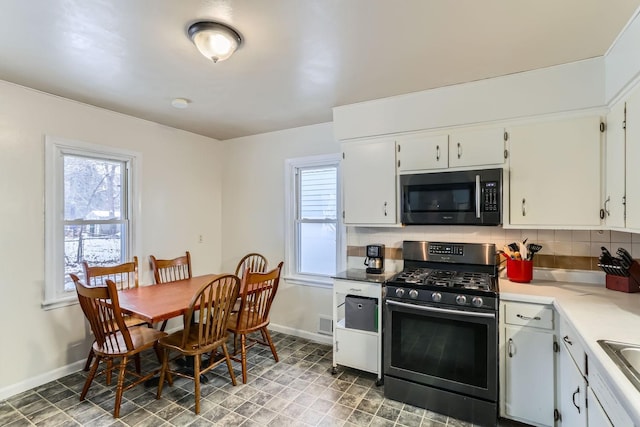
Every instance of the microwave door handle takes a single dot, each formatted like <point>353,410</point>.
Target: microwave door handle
<point>478,196</point>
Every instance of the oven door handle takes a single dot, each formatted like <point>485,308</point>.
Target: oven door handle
<point>442,310</point>
<point>478,196</point>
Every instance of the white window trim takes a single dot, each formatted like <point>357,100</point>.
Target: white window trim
<point>290,203</point>
<point>55,147</point>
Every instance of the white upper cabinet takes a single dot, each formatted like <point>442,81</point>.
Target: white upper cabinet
<point>369,182</point>
<point>476,147</point>
<point>633,162</point>
<point>422,152</point>
<point>614,167</point>
<point>554,170</point>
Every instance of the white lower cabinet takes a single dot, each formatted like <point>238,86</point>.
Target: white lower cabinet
<point>572,392</point>
<point>595,412</point>
<point>527,361</point>
<point>352,347</point>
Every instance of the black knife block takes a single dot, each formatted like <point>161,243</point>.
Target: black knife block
<point>625,284</point>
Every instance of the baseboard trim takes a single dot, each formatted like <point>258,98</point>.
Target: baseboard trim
<point>28,384</point>
<point>319,338</point>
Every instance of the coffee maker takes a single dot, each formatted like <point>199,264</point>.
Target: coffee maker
<point>375,259</point>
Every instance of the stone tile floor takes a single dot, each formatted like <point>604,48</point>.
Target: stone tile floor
<point>297,391</point>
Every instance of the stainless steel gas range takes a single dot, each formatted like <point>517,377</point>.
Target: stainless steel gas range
<point>441,330</point>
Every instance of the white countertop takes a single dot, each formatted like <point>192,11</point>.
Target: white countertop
<point>596,313</point>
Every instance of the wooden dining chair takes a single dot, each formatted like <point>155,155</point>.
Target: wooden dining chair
<point>256,296</point>
<point>113,338</point>
<point>205,331</point>
<point>252,262</point>
<point>125,276</point>
<point>170,270</point>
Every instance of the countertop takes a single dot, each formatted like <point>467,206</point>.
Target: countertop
<point>361,275</point>
<point>596,313</point>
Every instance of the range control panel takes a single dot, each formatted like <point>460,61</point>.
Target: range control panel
<point>445,249</point>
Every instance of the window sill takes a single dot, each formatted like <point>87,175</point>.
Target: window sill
<point>318,282</point>
<point>59,303</point>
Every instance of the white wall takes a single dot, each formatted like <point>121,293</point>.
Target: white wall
<point>622,61</point>
<point>181,199</point>
<point>253,213</point>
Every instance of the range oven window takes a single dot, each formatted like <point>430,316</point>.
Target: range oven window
<point>441,198</point>
<point>453,350</point>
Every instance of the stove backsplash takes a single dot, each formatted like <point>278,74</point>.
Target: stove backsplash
<point>562,249</point>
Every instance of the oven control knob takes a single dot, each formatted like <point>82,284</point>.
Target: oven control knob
<point>461,300</point>
<point>399,292</point>
<point>413,294</point>
<point>436,296</point>
<point>477,301</point>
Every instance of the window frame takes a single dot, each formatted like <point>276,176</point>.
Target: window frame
<point>291,207</point>
<point>55,149</point>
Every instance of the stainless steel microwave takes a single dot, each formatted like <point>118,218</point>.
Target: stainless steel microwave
<point>471,197</point>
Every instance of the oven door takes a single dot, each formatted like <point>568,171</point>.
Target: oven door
<point>449,349</point>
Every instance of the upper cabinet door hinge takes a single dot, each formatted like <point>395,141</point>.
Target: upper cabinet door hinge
<point>556,347</point>
<point>343,155</point>
<point>624,120</point>
<point>342,214</point>
<point>398,148</point>
<point>506,136</point>
<point>603,127</point>
<point>506,153</point>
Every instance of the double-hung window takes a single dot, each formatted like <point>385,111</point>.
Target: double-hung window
<point>89,216</point>
<point>314,231</point>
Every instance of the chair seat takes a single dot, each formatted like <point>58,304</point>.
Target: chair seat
<point>141,337</point>
<point>234,326</point>
<point>192,346</point>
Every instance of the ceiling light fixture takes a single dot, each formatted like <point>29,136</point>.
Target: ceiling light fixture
<point>180,103</point>
<point>214,40</point>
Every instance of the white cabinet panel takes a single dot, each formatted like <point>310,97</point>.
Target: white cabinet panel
<point>633,161</point>
<point>595,412</point>
<point>529,375</point>
<point>422,152</point>
<point>369,182</point>
<point>614,167</point>
<point>476,147</point>
<point>357,349</point>
<point>555,173</point>
<point>572,391</point>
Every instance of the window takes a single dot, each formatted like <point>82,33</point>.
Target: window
<point>314,231</point>
<point>89,216</point>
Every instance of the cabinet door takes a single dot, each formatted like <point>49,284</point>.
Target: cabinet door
<point>529,381</point>
<point>369,182</point>
<point>595,412</point>
<point>614,167</point>
<point>416,153</point>
<point>633,162</point>
<point>571,392</point>
<point>554,173</point>
<point>476,148</point>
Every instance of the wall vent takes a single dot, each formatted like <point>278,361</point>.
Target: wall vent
<point>325,325</point>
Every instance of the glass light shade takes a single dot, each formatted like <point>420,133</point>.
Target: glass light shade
<point>214,41</point>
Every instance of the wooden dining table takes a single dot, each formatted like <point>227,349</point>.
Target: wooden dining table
<point>156,303</point>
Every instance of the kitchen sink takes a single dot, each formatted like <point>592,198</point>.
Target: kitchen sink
<point>626,357</point>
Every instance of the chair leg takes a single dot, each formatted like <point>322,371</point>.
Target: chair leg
<point>164,325</point>
<point>109,369</point>
<point>90,356</point>
<point>90,376</point>
<point>196,379</point>
<point>136,359</point>
<point>163,370</point>
<point>120,387</point>
<point>228,360</point>
<point>243,349</point>
<point>267,336</point>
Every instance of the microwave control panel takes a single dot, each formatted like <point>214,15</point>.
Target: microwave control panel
<point>490,196</point>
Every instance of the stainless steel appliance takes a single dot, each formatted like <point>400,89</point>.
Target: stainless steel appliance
<point>462,197</point>
<point>375,259</point>
<point>440,336</point>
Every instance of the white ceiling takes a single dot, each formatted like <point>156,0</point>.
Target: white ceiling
<point>299,59</point>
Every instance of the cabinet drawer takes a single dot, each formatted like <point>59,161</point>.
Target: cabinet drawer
<point>357,349</point>
<point>534,315</point>
<point>572,342</point>
<point>353,287</point>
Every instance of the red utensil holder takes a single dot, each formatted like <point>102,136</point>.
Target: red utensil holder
<point>520,271</point>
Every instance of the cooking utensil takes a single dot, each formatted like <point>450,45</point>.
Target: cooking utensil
<point>523,250</point>
<point>533,248</point>
<point>514,247</point>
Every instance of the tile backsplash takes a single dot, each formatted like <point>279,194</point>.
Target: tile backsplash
<point>558,246</point>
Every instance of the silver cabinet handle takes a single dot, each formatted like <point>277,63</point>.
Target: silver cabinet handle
<point>385,208</point>
<point>477,195</point>
<point>510,346</point>
<point>520,316</point>
<point>459,150</point>
<point>524,211</point>
<point>606,206</point>
<point>355,290</point>
<point>437,153</point>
